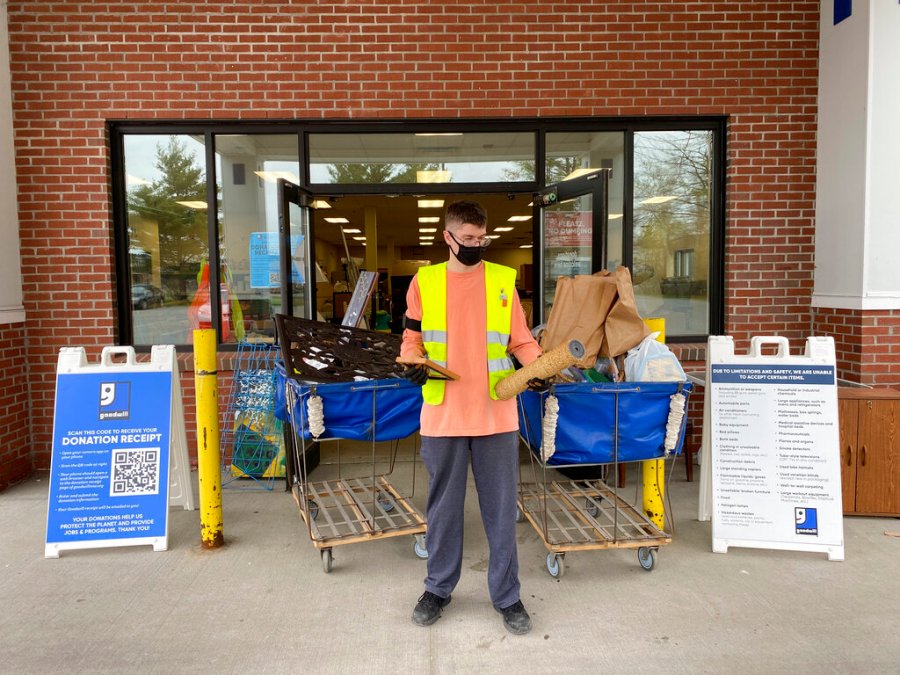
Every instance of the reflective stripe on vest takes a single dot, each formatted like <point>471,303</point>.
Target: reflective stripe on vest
<point>499,285</point>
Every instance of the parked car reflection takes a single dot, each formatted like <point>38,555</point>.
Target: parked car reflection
<point>146,295</point>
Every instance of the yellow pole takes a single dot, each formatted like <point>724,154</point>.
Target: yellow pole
<point>654,470</point>
<point>208,452</point>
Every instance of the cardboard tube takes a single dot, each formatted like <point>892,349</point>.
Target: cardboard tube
<point>546,366</point>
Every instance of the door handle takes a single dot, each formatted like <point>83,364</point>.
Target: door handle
<point>862,456</point>
<point>849,455</point>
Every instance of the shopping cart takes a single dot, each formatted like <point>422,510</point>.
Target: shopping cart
<point>599,425</point>
<point>347,510</point>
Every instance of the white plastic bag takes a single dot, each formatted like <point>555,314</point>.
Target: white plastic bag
<point>652,361</point>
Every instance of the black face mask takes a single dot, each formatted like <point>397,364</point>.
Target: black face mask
<point>468,255</point>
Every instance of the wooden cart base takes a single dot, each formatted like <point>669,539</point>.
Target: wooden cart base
<point>585,516</point>
<point>351,510</point>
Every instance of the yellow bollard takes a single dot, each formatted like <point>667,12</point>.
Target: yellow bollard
<point>654,470</point>
<point>208,451</point>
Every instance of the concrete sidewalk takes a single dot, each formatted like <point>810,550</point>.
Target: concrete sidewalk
<point>263,603</point>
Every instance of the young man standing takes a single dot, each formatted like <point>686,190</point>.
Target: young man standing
<point>465,315</point>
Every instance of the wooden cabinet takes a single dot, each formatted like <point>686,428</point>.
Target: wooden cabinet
<point>870,450</point>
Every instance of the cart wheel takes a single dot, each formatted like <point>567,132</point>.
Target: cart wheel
<point>386,503</point>
<point>520,517</point>
<point>313,508</point>
<point>591,507</point>
<point>556,565</point>
<point>647,557</point>
<point>419,547</point>
<point>327,560</point>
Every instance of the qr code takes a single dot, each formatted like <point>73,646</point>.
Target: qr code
<point>134,472</point>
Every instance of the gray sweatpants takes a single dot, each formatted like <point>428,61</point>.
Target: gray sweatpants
<point>495,466</point>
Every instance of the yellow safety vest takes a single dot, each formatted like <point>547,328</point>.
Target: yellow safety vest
<point>499,285</point>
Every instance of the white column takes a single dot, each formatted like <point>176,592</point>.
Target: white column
<point>11,310</point>
<point>858,141</point>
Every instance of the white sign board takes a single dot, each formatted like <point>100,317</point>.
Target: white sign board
<point>774,442</point>
<point>119,456</point>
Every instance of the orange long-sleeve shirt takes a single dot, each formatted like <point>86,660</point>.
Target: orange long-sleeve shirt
<point>468,409</point>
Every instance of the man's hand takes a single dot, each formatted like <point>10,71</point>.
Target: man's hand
<point>538,385</point>
<point>416,373</point>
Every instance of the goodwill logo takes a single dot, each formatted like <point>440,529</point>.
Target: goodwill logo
<point>115,400</point>
<point>806,520</point>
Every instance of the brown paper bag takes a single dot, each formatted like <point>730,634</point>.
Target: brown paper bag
<point>599,311</point>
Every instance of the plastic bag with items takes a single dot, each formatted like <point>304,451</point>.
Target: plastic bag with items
<point>653,361</point>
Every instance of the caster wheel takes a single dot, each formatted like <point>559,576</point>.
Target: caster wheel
<point>591,507</point>
<point>647,557</point>
<point>556,565</point>
<point>520,517</point>
<point>313,509</point>
<point>419,547</point>
<point>385,502</point>
<point>327,560</point>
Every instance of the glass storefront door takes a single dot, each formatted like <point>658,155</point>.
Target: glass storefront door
<point>573,220</point>
<point>295,252</point>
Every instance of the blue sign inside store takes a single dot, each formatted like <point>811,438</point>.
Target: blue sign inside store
<point>265,266</point>
<point>109,474</point>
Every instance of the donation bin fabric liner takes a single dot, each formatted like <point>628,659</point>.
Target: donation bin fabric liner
<point>348,407</point>
<point>587,425</point>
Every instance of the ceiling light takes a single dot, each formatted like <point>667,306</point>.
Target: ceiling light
<point>273,176</point>
<point>320,204</point>
<point>442,133</point>
<point>335,219</point>
<point>614,216</point>
<point>579,172</point>
<point>503,229</point>
<point>525,246</point>
<point>426,243</point>
<point>427,229</point>
<point>198,205</point>
<point>436,176</point>
<point>431,203</point>
<point>662,199</point>
<point>351,230</point>
<point>518,219</point>
<point>429,219</point>
<point>135,180</point>
<point>492,236</point>
<point>359,238</point>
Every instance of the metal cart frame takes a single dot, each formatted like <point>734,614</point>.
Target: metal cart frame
<point>349,510</point>
<point>585,515</point>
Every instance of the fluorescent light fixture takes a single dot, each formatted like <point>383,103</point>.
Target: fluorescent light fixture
<point>518,219</point>
<point>503,229</point>
<point>135,180</point>
<point>492,236</point>
<point>579,172</point>
<point>662,199</point>
<point>436,176</point>
<point>273,176</point>
<point>427,229</point>
<point>351,230</point>
<point>429,219</point>
<point>431,203</point>
<point>320,204</point>
<point>426,243</point>
<point>359,238</point>
<point>198,205</point>
<point>525,246</point>
<point>614,216</point>
<point>441,133</point>
<point>336,219</point>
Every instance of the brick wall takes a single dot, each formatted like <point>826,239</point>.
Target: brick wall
<point>76,65</point>
<point>15,446</point>
<point>867,343</point>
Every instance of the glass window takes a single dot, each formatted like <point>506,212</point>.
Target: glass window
<point>672,216</point>
<point>165,183</point>
<point>417,158</point>
<point>248,169</point>
<point>573,153</point>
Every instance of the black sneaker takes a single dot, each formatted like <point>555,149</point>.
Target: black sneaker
<point>516,619</point>
<point>428,609</point>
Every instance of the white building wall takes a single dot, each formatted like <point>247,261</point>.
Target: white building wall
<point>11,310</point>
<point>858,150</point>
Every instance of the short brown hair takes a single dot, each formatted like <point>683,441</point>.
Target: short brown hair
<point>459,213</point>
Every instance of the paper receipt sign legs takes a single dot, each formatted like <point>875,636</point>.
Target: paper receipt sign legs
<point>548,365</point>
